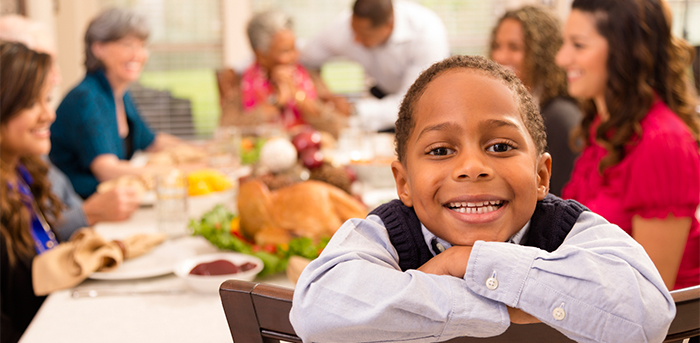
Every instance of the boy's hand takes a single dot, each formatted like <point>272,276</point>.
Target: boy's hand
<point>452,261</point>
<point>517,316</point>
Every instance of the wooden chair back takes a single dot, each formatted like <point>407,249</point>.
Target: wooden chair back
<point>258,313</point>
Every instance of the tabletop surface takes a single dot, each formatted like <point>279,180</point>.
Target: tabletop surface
<point>186,316</point>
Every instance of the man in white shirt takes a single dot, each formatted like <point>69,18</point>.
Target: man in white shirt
<point>392,42</point>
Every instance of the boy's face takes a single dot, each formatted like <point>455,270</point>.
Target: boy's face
<point>472,171</point>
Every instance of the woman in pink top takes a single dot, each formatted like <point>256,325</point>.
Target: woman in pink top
<point>276,87</point>
<point>640,167</point>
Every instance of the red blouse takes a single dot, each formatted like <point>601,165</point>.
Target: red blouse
<point>660,174</point>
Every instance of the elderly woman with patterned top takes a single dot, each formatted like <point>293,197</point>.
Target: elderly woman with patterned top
<point>276,88</point>
<point>640,168</point>
<point>98,127</point>
<point>526,40</point>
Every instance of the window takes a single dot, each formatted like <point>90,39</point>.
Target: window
<point>187,40</point>
<point>186,48</point>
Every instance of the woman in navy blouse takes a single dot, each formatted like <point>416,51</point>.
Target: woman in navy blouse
<point>97,126</point>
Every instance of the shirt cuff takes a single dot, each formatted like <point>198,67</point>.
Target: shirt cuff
<point>498,271</point>
<point>473,315</point>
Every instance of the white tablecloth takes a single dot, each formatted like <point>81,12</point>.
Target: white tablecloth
<point>184,317</point>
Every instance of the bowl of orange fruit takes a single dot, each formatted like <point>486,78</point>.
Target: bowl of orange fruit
<point>207,188</point>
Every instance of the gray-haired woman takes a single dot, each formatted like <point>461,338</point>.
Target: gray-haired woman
<point>97,126</point>
<point>276,87</point>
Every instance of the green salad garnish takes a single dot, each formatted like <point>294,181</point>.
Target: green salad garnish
<point>220,227</point>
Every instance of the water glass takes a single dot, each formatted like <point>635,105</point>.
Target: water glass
<point>171,203</point>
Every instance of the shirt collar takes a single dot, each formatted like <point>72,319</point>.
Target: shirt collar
<point>428,236</point>
<point>99,74</point>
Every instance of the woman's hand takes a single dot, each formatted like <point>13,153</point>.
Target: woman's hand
<point>114,205</point>
<point>283,78</point>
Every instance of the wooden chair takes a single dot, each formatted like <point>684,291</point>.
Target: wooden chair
<point>258,313</point>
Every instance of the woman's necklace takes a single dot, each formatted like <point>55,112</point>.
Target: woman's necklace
<point>43,236</point>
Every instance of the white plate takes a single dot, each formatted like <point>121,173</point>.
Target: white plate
<point>160,261</point>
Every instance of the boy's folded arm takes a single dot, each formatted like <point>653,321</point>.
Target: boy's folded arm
<point>599,285</point>
<point>355,292</point>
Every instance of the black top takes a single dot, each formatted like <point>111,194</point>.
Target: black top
<point>561,116</point>
<point>17,299</point>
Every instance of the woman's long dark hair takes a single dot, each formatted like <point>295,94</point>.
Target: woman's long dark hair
<point>24,74</point>
<point>644,59</point>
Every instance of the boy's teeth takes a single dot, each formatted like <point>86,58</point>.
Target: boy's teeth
<point>478,210</point>
<point>476,207</point>
<point>476,204</point>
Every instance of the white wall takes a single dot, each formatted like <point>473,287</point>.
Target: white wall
<point>236,14</point>
<point>67,21</point>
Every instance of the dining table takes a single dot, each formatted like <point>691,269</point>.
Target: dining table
<point>147,302</point>
<point>138,307</point>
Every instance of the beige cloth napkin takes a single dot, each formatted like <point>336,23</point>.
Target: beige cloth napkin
<point>71,262</point>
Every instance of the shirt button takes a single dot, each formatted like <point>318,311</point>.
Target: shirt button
<point>559,313</point>
<point>492,283</point>
<point>440,247</point>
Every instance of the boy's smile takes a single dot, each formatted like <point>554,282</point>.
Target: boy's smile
<point>472,171</point>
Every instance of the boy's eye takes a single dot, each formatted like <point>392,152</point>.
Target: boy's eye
<point>440,151</point>
<point>499,147</point>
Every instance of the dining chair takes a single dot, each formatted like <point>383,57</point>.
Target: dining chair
<point>259,313</point>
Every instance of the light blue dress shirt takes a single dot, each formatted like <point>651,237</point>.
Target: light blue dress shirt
<point>598,286</point>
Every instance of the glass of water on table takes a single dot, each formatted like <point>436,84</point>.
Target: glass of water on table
<point>171,203</point>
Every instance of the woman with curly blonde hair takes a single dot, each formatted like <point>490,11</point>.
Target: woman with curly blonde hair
<point>640,167</point>
<point>526,40</point>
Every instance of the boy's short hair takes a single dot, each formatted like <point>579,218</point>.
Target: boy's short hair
<point>527,108</point>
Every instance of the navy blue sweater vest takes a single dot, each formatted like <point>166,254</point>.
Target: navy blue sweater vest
<point>549,225</point>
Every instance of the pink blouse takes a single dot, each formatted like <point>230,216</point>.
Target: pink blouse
<point>660,174</point>
<point>256,88</point>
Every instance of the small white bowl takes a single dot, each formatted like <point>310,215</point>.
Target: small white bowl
<point>197,205</point>
<point>211,283</point>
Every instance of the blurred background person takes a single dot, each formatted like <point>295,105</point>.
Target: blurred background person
<point>276,88</point>
<point>98,127</point>
<point>116,204</point>
<point>526,41</point>
<point>27,206</point>
<point>393,42</point>
<point>34,259</point>
<point>640,167</point>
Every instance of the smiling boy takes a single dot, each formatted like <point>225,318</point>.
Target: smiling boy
<point>475,242</point>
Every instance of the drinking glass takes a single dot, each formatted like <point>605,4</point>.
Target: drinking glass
<point>171,203</point>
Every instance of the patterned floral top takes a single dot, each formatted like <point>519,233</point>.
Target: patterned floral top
<point>257,88</point>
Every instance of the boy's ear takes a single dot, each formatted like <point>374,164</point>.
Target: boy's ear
<point>401,180</point>
<point>544,173</point>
